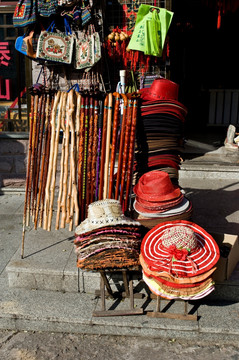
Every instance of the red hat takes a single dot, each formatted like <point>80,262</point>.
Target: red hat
<point>179,247</point>
<point>156,186</point>
<point>161,89</point>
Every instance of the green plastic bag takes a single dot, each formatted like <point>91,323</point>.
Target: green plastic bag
<point>150,30</point>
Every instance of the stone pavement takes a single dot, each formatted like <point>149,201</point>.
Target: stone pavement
<point>45,292</point>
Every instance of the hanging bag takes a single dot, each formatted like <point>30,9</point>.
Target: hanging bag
<point>150,30</point>
<point>47,8</point>
<point>27,44</point>
<point>25,13</point>
<point>56,46</point>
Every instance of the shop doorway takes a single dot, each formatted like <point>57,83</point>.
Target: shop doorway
<point>204,62</point>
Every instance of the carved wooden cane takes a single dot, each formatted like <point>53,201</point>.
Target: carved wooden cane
<point>27,174</point>
<point>59,199</point>
<point>121,146</point>
<point>94,149</point>
<point>90,150</point>
<point>83,209</point>
<point>114,140</point>
<point>98,160</point>
<point>103,144</point>
<point>81,151</point>
<point>107,146</point>
<point>54,162</point>
<point>46,162</point>
<point>50,168</point>
<point>125,151</point>
<point>131,155</point>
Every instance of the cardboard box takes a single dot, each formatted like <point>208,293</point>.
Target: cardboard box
<point>229,244</point>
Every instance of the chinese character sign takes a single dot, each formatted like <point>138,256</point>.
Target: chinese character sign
<point>4,54</point>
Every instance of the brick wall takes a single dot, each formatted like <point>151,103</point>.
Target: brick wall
<point>13,162</point>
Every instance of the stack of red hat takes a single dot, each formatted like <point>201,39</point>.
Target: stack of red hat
<point>158,199</point>
<point>160,129</point>
<point>178,259</point>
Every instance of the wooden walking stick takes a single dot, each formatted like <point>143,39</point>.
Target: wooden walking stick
<point>125,151</point>
<point>44,142</point>
<point>74,201</point>
<point>27,174</point>
<point>131,154</point>
<point>32,157</point>
<point>99,126</point>
<point>66,164</point>
<point>81,151</point>
<point>78,113</point>
<point>90,153</point>
<point>121,145</point>
<point>114,140</point>
<point>36,158</point>
<point>59,199</point>
<point>54,161</point>
<point>39,157</point>
<point>107,147</point>
<point>94,150</point>
<point>50,167</point>
<point>46,162</point>
<point>83,209</point>
<point>103,144</point>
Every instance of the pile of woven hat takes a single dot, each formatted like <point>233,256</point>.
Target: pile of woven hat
<point>178,259</point>
<point>107,239</point>
<point>158,198</point>
<point>161,125</point>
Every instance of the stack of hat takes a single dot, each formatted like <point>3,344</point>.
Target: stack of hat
<point>107,239</point>
<point>178,259</point>
<point>158,199</point>
<point>161,128</point>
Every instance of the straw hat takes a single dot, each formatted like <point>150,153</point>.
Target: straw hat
<point>165,276</point>
<point>168,293</point>
<point>179,247</point>
<point>104,213</point>
<point>156,185</point>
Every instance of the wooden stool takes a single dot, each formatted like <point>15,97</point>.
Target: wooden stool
<point>179,316</point>
<point>128,293</point>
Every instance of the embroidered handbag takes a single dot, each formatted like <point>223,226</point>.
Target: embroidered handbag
<point>47,8</point>
<point>25,13</point>
<point>84,54</point>
<point>88,49</point>
<point>56,46</point>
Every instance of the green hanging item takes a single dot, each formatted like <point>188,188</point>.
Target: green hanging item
<point>150,30</point>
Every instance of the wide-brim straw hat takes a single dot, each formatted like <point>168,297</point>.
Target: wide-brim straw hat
<point>161,89</point>
<point>179,247</point>
<point>156,185</point>
<point>104,213</point>
<point>164,275</point>
<point>173,294</point>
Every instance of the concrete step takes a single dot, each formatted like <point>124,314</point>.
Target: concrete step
<point>49,264</point>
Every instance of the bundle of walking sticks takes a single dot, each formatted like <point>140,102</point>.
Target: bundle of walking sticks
<point>81,149</point>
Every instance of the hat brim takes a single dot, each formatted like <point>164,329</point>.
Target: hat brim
<point>158,290</point>
<point>175,210</point>
<point>87,225</point>
<point>204,257</point>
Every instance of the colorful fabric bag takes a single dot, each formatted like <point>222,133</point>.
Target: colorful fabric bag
<point>150,30</point>
<point>47,8</point>
<point>27,44</point>
<point>25,13</point>
<point>88,49</point>
<point>56,46</point>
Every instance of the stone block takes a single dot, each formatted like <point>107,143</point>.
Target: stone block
<point>20,164</point>
<point>6,164</point>
<point>12,146</point>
